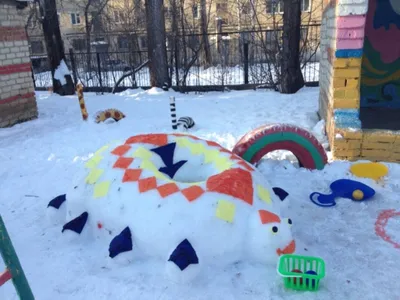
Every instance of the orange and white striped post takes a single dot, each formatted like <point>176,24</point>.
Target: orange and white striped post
<point>79,90</point>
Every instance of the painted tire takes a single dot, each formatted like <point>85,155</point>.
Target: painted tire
<point>260,141</point>
<point>103,115</point>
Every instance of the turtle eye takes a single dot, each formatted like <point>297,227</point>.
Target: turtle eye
<point>274,229</point>
<point>289,221</point>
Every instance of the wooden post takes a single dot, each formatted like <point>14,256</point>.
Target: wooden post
<point>14,269</point>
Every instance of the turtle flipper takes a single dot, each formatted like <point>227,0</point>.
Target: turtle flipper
<point>57,201</point>
<point>121,243</point>
<point>56,210</point>
<point>183,263</point>
<point>76,225</point>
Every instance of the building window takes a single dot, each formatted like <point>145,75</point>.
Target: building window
<point>305,5</point>
<point>168,12</point>
<point>274,6</point>
<point>79,44</point>
<point>37,47</point>
<point>75,19</point>
<point>303,33</point>
<point>222,7</point>
<point>246,9</point>
<point>195,11</point>
<point>143,42</point>
<point>123,42</point>
<point>118,16</point>
<point>225,21</point>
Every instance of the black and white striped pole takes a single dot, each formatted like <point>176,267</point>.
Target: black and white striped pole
<point>173,112</point>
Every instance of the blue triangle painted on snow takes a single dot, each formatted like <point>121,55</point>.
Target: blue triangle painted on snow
<point>166,153</point>
<point>171,170</point>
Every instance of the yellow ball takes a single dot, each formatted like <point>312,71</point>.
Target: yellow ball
<point>358,195</point>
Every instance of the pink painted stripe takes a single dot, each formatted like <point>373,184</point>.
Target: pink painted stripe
<point>349,44</point>
<point>349,34</point>
<point>350,22</point>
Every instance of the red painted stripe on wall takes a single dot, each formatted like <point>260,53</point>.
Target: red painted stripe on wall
<point>18,68</point>
<point>9,34</point>
<point>16,97</point>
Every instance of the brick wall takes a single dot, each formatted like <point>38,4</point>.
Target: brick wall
<point>342,38</point>
<point>17,97</point>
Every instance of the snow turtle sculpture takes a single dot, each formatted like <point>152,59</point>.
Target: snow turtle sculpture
<point>178,198</point>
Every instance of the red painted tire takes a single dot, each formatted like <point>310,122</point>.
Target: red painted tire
<point>264,139</point>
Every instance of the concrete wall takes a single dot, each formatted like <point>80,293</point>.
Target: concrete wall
<point>17,97</point>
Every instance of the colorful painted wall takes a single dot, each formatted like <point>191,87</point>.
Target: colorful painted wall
<point>360,40</point>
<point>380,79</point>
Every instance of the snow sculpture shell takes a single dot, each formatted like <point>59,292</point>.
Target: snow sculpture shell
<point>178,198</point>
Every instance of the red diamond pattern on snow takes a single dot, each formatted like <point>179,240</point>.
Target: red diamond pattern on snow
<point>147,184</point>
<point>123,162</point>
<point>121,150</point>
<point>132,175</point>
<point>167,189</point>
<point>193,192</point>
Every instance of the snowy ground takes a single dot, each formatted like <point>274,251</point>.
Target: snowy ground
<point>39,159</point>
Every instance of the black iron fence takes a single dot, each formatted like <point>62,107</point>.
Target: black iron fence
<point>235,59</point>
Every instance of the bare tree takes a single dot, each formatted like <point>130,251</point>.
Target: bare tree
<point>189,31</point>
<point>55,46</point>
<point>291,76</point>
<point>156,43</point>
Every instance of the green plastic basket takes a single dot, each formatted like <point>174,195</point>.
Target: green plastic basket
<point>301,281</point>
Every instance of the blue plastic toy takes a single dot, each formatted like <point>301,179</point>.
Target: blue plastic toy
<point>344,188</point>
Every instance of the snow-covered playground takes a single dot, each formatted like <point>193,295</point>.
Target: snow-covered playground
<point>40,159</point>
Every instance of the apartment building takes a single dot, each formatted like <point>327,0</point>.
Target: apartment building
<point>120,25</point>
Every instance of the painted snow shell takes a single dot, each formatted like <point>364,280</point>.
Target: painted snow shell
<point>168,189</point>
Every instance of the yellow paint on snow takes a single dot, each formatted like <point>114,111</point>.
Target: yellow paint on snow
<point>148,165</point>
<point>93,161</point>
<point>142,153</point>
<point>102,149</point>
<point>222,163</point>
<point>94,175</point>
<point>211,155</point>
<point>101,189</point>
<point>197,148</point>
<point>183,142</point>
<point>225,210</point>
<point>369,170</point>
<point>263,194</point>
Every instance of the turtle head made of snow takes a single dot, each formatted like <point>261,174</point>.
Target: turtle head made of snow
<point>269,237</point>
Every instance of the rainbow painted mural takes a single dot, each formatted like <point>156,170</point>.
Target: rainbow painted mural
<point>380,71</point>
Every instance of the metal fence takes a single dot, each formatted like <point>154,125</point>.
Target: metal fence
<point>236,59</point>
